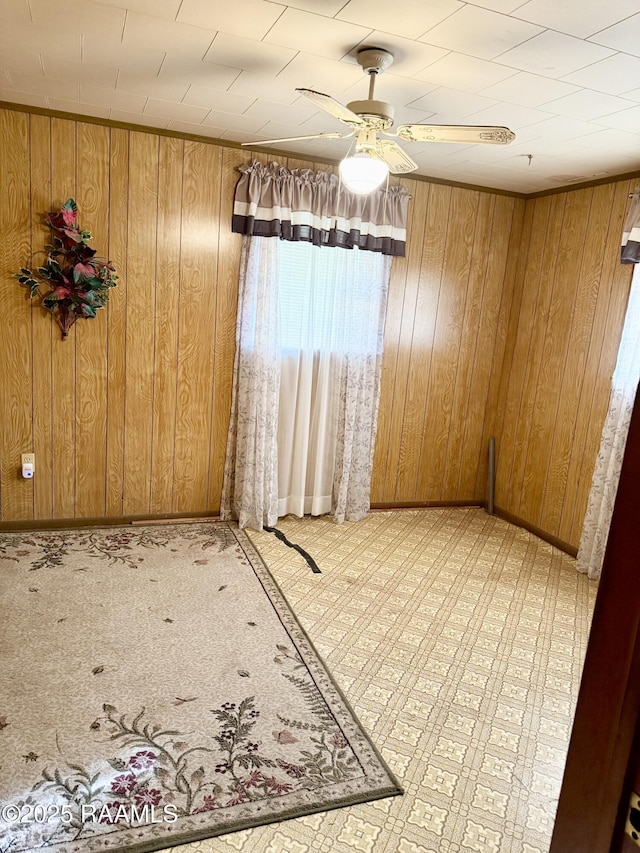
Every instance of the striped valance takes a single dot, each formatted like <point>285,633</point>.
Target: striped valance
<point>630,249</point>
<point>314,207</point>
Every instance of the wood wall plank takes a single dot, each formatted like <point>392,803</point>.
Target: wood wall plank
<point>406,416</point>
<point>490,348</point>
<point>91,334</point>
<point>167,309</point>
<point>63,352</point>
<point>116,320</point>
<point>16,437</point>
<point>450,319</point>
<point>197,325</point>
<point>42,325</point>
<point>140,326</point>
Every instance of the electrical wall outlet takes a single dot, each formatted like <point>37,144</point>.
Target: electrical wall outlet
<point>29,459</point>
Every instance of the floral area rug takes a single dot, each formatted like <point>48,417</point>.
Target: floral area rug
<point>155,689</point>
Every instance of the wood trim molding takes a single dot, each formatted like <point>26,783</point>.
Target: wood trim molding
<point>541,534</point>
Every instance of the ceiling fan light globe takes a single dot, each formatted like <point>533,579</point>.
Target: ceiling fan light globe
<point>361,173</point>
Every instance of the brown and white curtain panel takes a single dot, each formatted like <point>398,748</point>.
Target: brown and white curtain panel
<point>314,207</point>
<point>624,387</point>
<point>304,408</point>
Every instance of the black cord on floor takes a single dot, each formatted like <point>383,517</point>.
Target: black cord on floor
<point>280,535</point>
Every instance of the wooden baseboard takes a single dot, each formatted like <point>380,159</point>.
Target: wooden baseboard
<point>422,504</point>
<point>541,534</point>
<point>111,521</point>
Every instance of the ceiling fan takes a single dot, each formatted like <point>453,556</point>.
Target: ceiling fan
<point>369,118</point>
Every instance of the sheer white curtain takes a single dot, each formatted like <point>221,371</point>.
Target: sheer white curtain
<point>306,382</point>
<point>250,489</point>
<point>614,436</point>
<point>332,309</point>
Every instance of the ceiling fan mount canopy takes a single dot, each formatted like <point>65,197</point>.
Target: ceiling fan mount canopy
<point>374,60</point>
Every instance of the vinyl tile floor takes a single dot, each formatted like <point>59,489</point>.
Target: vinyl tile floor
<point>459,640</point>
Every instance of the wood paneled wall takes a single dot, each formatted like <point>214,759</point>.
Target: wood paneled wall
<point>129,415</point>
<point>570,296</point>
<point>503,320</point>
<point>446,330</point>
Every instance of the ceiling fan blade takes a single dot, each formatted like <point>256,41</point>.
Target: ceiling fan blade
<point>331,106</point>
<point>455,133</point>
<point>395,157</point>
<point>326,135</point>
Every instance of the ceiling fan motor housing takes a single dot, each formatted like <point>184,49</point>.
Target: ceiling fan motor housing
<point>378,113</point>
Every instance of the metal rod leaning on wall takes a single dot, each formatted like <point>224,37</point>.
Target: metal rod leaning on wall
<point>492,474</point>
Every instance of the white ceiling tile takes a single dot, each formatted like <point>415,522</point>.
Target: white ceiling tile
<point>233,121</point>
<point>91,74</point>
<point>33,38</point>
<point>407,115</point>
<point>480,32</point>
<point>510,115</point>
<point>624,36</point>
<point>69,90</point>
<point>193,72</point>
<point>112,98</point>
<point>612,139</point>
<point>561,127</point>
<point>576,17</point>
<point>151,87</point>
<point>167,9</point>
<point>399,91</point>
<point>200,96</point>
<point>171,110</point>
<point>467,73</point>
<point>504,6</point>
<point>632,95</point>
<point>261,86</point>
<point>414,16</point>
<point>329,8</point>
<point>554,54</point>
<point>623,120</point>
<point>136,57</point>
<point>452,102</point>
<point>69,53</point>
<point>78,16</point>
<point>196,129</point>
<point>250,18</point>
<point>616,75</point>
<point>249,55</point>
<point>138,118</point>
<point>325,75</point>
<point>271,111</point>
<point>14,57</point>
<point>329,37</point>
<point>530,90</point>
<point>587,104</point>
<point>79,108</point>
<point>409,56</point>
<point>16,12</point>
<point>170,37</point>
<point>241,136</point>
<point>29,100</point>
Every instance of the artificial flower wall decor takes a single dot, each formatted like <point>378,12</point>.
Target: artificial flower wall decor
<point>77,283</point>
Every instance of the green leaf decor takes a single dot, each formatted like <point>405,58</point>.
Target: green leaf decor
<point>76,282</point>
